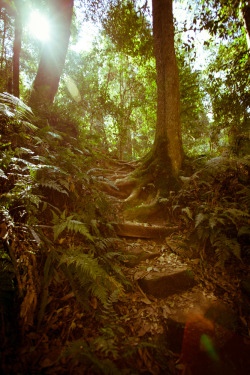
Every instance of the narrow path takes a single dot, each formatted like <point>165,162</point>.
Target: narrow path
<point>168,298</point>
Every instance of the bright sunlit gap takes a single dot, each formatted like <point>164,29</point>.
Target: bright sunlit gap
<point>39,26</point>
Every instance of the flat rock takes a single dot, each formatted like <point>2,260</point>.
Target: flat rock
<point>137,230</point>
<point>164,284</point>
<point>137,258</point>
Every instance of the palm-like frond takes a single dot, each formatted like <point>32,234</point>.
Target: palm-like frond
<point>14,108</point>
<point>92,277</point>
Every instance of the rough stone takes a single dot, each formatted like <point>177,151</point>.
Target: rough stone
<point>164,284</point>
<point>137,230</point>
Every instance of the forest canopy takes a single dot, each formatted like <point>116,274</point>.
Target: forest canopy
<point>109,90</point>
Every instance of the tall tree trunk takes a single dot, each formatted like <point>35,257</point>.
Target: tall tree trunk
<point>16,51</point>
<point>246,16</point>
<point>53,54</point>
<point>3,40</point>
<point>168,143</point>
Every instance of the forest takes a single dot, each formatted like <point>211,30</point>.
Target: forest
<point>124,187</point>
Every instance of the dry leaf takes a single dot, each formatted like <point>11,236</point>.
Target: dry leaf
<point>166,311</point>
<point>243,319</point>
<point>69,295</point>
<point>46,363</point>
<point>146,301</point>
<point>139,274</point>
<point>94,303</point>
<point>145,329</point>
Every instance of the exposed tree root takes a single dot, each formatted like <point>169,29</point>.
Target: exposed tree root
<point>144,212</point>
<point>146,181</point>
<point>152,179</point>
<point>110,190</point>
<point>108,161</point>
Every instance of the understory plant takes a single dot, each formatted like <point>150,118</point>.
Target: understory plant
<point>55,236</point>
<point>213,209</point>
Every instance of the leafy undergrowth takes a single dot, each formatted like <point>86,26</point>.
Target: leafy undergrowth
<point>66,305</point>
<point>59,259</point>
<point>212,208</point>
<point>212,213</point>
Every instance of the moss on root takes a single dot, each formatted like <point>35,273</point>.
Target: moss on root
<point>155,171</point>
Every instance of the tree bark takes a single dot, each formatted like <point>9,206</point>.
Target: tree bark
<point>3,40</point>
<point>246,15</point>
<point>168,143</point>
<point>17,51</point>
<point>53,54</point>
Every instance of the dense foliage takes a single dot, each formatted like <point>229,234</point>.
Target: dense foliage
<point>51,233</point>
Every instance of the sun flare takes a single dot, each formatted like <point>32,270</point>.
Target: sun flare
<point>39,26</point>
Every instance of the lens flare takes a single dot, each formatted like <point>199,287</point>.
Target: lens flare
<point>39,26</point>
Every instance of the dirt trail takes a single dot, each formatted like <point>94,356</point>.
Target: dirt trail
<point>168,292</point>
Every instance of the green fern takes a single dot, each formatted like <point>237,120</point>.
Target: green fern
<point>107,346</point>
<point>200,218</point>
<point>13,107</point>
<point>225,246</point>
<point>212,222</point>
<point>3,175</point>
<point>244,196</point>
<point>52,184</point>
<point>91,276</point>
<point>48,271</point>
<point>7,269</point>
<point>234,215</point>
<point>79,350</point>
<point>62,222</point>
<point>188,212</point>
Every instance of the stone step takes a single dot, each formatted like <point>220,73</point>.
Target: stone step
<point>142,230</point>
<point>164,284</point>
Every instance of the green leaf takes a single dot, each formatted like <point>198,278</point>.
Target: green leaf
<point>244,231</point>
<point>200,218</point>
<point>59,228</point>
<point>188,212</point>
<point>3,175</point>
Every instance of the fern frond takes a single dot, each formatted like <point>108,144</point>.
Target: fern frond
<point>55,135</point>
<point>188,212</point>
<point>52,184</point>
<point>107,346</point>
<point>16,160</point>
<point>13,107</point>
<point>200,218</point>
<point>23,151</point>
<point>33,198</point>
<point>94,227</point>
<point>79,227</point>
<point>113,298</point>
<point>244,196</point>
<point>90,274</point>
<point>59,228</point>
<point>228,246</point>
<point>79,350</point>
<point>3,175</point>
<point>233,214</point>
<point>203,233</point>
<point>244,231</point>
<point>213,222</point>
<point>113,268</point>
<point>99,291</point>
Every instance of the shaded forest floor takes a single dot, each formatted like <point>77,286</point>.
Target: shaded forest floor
<point>177,288</point>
